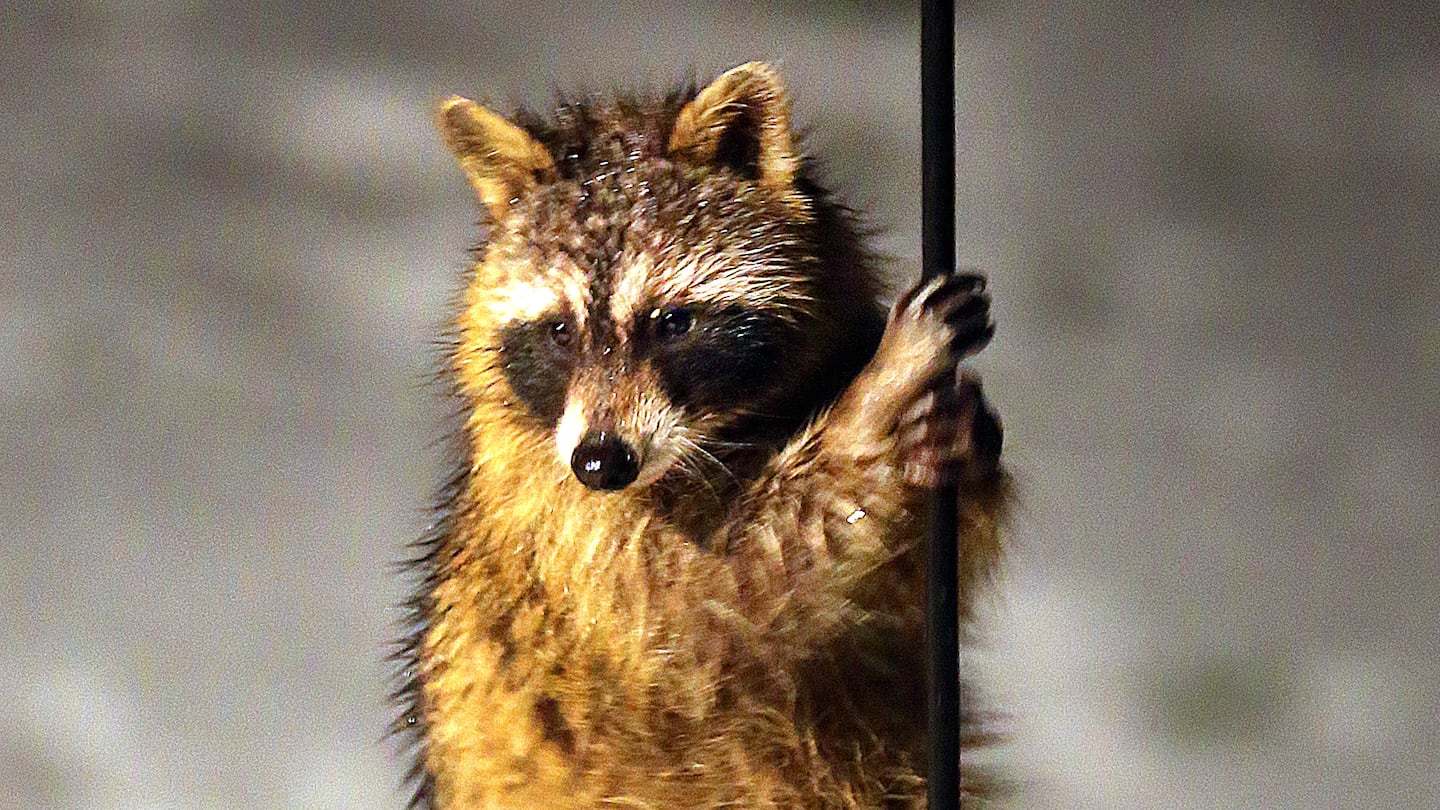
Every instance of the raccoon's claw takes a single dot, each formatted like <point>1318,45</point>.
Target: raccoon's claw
<point>929,290</point>
<point>961,302</point>
<point>949,434</point>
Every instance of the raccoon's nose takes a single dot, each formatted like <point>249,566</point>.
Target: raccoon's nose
<point>602,461</point>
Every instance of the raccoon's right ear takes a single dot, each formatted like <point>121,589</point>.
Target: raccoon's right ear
<point>742,122</point>
<point>501,159</point>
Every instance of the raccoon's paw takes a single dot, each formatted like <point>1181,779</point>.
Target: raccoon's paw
<point>953,307</point>
<point>950,434</point>
<point>911,388</point>
<point>947,432</point>
<point>933,326</point>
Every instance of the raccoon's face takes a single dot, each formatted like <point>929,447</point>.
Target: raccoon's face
<point>635,360</point>
<point>647,276</point>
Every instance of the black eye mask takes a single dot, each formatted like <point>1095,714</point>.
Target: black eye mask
<point>538,359</point>
<point>724,356</point>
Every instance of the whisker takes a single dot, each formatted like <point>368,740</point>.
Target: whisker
<point>693,452</point>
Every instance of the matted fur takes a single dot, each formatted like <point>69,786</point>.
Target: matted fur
<point>746,630</point>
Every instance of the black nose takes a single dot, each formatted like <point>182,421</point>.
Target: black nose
<point>602,461</point>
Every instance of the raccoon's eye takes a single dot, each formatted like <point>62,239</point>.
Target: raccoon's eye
<point>560,333</point>
<point>674,322</point>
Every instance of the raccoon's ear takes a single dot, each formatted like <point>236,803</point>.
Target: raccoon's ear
<point>741,121</point>
<point>501,159</point>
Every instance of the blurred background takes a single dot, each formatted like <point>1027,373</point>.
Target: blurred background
<point>230,234</point>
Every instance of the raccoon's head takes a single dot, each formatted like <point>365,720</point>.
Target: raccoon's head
<point>652,281</point>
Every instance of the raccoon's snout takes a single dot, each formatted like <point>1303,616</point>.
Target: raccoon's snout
<point>603,461</point>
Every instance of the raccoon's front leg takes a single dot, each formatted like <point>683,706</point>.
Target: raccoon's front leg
<point>848,496</point>
<point>911,405</point>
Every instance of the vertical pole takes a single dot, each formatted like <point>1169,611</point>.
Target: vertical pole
<point>937,149</point>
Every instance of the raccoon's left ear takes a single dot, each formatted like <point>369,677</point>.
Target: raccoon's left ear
<point>501,159</point>
<point>742,122</point>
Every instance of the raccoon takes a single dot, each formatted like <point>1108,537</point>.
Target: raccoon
<point>681,564</point>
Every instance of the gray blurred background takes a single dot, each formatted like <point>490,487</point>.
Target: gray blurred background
<point>230,234</point>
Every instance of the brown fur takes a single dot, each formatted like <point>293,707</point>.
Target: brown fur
<point>746,630</point>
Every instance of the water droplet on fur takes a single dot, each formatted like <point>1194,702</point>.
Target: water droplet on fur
<point>855,516</point>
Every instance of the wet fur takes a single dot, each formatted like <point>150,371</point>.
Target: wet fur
<point>747,631</point>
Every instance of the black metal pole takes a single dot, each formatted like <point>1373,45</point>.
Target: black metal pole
<point>937,182</point>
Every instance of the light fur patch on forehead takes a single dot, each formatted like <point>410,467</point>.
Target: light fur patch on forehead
<point>525,299</point>
<point>522,301</point>
<point>631,290</point>
<point>721,279</point>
